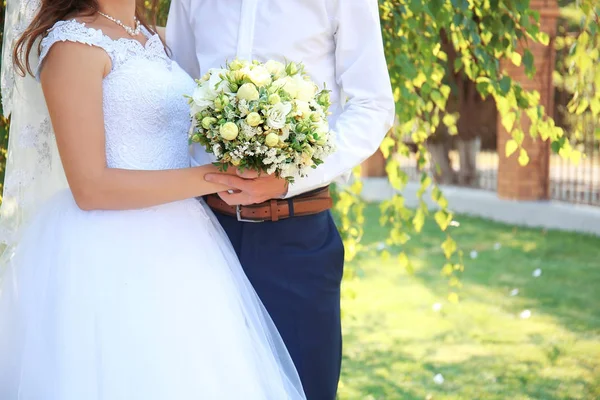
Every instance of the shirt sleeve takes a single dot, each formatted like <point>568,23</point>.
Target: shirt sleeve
<point>362,74</point>
<point>180,38</point>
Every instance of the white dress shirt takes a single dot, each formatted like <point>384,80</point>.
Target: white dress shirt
<point>338,41</point>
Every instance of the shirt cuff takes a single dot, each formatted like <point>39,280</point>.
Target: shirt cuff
<point>313,182</point>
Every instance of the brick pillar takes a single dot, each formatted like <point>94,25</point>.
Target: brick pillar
<point>531,182</point>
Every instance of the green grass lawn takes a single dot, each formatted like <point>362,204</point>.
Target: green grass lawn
<point>395,342</point>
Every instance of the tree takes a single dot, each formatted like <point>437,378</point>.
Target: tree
<point>428,40</point>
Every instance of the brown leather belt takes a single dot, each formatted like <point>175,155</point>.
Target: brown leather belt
<point>273,210</point>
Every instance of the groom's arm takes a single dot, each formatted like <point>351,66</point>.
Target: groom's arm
<point>180,38</point>
<point>362,74</point>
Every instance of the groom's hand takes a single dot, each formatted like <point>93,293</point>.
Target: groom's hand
<point>251,187</point>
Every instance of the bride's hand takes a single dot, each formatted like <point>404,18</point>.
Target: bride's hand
<point>250,187</point>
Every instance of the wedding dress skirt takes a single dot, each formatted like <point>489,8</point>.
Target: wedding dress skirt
<point>135,305</point>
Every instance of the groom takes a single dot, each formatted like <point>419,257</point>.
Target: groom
<point>285,236</point>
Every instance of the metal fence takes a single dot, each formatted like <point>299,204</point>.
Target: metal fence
<point>569,182</point>
<point>579,182</point>
<point>486,165</point>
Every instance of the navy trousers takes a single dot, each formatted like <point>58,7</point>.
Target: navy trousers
<point>296,267</point>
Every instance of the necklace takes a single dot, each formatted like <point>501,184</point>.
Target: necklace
<point>131,31</point>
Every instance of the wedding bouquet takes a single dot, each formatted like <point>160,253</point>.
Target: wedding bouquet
<point>263,116</point>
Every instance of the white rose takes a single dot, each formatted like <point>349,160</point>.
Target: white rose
<point>302,107</point>
<point>323,128</point>
<point>244,72</point>
<point>279,83</point>
<point>277,115</point>
<point>195,109</point>
<point>203,93</point>
<point>306,90</point>
<point>229,131</point>
<point>247,92</point>
<point>288,84</point>
<point>260,76</point>
<point>275,68</point>
<point>202,98</point>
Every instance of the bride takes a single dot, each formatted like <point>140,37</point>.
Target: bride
<point>117,285</point>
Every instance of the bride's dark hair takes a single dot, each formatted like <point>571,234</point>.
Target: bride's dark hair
<point>52,11</point>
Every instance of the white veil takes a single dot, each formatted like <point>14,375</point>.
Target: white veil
<point>33,169</point>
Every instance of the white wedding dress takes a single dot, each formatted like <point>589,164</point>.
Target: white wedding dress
<point>147,304</point>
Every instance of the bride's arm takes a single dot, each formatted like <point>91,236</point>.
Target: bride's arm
<point>72,82</point>
<point>162,32</point>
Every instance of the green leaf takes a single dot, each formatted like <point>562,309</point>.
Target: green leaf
<point>528,62</point>
<point>439,198</point>
<point>396,178</point>
<point>508,120</point>
<point>449,247</point>
<point>511,147</point>
<point>438,99</point>
<point>516,59</point>
<point>518,136</point>
<point>448,269</point>
<point>504,85</point>
<point>557,145</point>
<point>443,219</point>
<point>523,158</point>
<point>387,146</point>
<point>419,220</point>
<point>543,38</point>
<point>399,237</point>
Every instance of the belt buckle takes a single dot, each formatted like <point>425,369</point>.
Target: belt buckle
<point>238,213</point>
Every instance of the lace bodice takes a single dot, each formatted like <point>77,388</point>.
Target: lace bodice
<point>145,113</point>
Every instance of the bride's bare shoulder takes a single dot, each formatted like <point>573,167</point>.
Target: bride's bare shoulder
<point>67,57</point>
<point>66,46</point>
